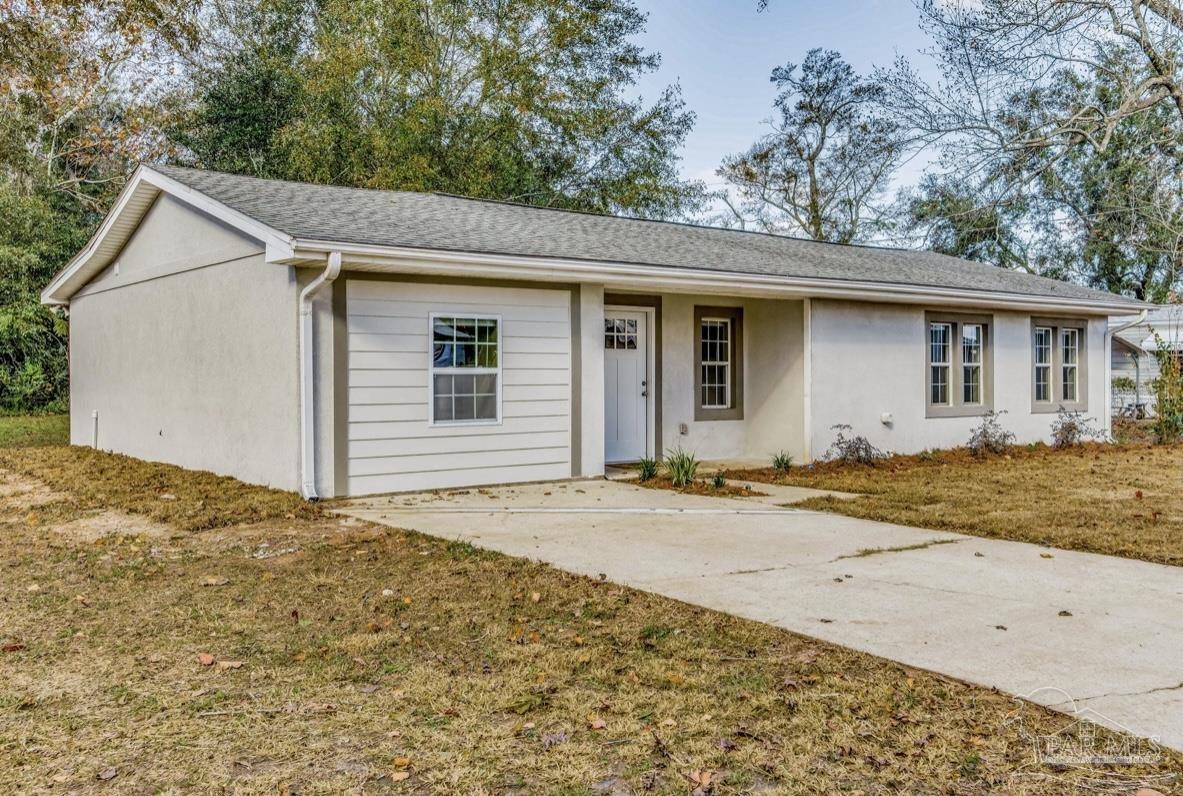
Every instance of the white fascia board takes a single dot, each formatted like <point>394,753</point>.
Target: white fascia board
<point>88,262</point>
<point>682,280</point>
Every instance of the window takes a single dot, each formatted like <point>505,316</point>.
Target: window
<point>715,340</point>
<point>971,363</point>
<point>1069,359</point>
<point>939,335</point>
<point>959,363</point>
<point>718,365</point>
<point>465,369</point>
<point>1058,365</point>
<point>1043,364</point>
<point>620,333</point>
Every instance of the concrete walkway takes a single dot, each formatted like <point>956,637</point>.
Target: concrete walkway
<point>1108,632</point>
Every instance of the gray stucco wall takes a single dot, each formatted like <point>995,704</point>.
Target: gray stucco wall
<point>189,352</point>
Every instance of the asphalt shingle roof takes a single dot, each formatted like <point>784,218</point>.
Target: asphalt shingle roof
<point>452,223</point>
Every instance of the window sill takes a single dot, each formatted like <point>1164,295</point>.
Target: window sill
<point>1054,408</point>
<point>974,410</point>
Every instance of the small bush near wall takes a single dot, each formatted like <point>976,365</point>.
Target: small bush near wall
<point>1168,393</point>
<point>782,461</point>
<point>647,468</point>
<point>989,436</point>
<point>681,466</point>
<point>853,449</point>
<point>1072,428</point>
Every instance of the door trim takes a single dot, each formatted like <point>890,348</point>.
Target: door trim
<point>652,371</point>
<point>653,304</point>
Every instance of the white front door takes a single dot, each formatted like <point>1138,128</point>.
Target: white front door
<point>625,388</point>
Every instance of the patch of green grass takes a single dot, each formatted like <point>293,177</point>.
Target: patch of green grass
<point>34,431</point>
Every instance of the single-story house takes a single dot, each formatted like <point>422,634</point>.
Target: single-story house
<point>349,342</point>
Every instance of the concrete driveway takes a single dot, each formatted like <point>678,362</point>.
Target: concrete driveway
<point>1075,631</point>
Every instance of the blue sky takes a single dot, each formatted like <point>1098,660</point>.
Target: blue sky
<point>722,51</point>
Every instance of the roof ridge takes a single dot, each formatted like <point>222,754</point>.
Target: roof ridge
<point>574,211</point>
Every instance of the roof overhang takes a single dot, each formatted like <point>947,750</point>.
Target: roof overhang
<point>633,277</point>
<point>130,207</point>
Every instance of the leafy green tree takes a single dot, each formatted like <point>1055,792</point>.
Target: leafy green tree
<point>229,116</point>
<point>39,233</point>
<point>527,101</point>
<point>829,158</point>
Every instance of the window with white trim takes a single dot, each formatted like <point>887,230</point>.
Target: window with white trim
<point>715,339</point>
<point>940,359</point>
<point>465,373</point>
<point>1059,376</point>
<point>1043,363</point>
<point>958,364</point>
<point>718,363</point>
<point>1069,364</point>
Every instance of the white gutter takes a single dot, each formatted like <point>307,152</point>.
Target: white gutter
<point>308,377</point>
<point>1109,333</point>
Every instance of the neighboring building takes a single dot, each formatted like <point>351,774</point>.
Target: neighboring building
<point>455,341</point>
<point>1134,355</point>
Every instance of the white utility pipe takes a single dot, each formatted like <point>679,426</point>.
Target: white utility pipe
<point>308,378</point>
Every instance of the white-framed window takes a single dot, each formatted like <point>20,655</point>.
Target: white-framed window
<point>958,364</point>
<point>940,336</point>
<point>1043,363</point>
<point>465,372</point>
<point>1059,360</point>
<point>715,339</point>
<point>972,335</point>
<point>1069,364</point>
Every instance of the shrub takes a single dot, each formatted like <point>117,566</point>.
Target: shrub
<point>1072,428</point>
<point>855,449</point>
<point>647,468</point>
<point>1168,393</point>
<point>782,461</point>
<point>990,436</point>
<point>681,466</point>
<point>718,482</point>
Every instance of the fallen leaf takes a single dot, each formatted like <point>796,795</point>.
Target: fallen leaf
<point>1046,555</point>
<point>535,597</point>
<point>82,601</point>
<point>33,588</point>
<point>205,659</point>
<point>402,762</point>
<point>1000,627</point>
<point>214,580</point>
<point>107,774</point>
<point>1065,613</point>
<point>230,664</point>
<point>15,646</point>
<point>597,723</point>
<point>399,776</point>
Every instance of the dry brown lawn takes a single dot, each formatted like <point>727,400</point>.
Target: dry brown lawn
<point>1123,500</point>
<point>354,658</point>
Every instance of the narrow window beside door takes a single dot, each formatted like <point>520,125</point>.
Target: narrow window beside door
<point>718,363</point>
<point>465,369</point>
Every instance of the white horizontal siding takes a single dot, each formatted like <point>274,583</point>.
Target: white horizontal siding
<point>391,447</point>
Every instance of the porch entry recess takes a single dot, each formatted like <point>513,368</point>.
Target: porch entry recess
<point>626,386</point>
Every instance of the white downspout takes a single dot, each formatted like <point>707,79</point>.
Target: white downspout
<point>1109,363</point>
<point>308,378</point>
